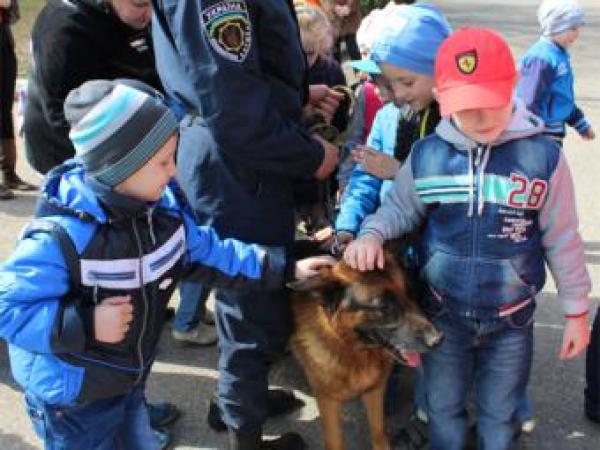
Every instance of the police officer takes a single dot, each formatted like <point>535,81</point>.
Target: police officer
<point>235,72</point>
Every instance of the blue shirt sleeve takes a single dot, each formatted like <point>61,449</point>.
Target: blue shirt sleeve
<point>361,197</point>
<point>231,263</point>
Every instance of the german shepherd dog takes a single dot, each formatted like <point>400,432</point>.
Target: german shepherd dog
<point>349,329</point>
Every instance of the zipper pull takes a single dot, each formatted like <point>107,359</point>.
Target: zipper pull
<point>150,225</point>
<point>478,156</point>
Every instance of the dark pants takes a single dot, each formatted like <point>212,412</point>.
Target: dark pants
<point>8,79</point>
<point>253,328</point>
<point>592,372</point>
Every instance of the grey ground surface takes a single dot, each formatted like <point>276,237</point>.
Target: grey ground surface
<point>187,376</point>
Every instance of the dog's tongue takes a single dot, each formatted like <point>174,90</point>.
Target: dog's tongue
<point>413,359</point>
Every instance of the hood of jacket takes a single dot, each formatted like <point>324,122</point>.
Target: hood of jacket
<point>523,123</point>
<point>69,189</point>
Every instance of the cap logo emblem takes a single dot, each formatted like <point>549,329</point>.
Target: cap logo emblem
<point>467,62</point>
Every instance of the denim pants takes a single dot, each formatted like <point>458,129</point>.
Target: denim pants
<point>192,305</point>
<point>253,328</point>
<point>491,359</point>
<point>592,372</point>
<point>115,423</point>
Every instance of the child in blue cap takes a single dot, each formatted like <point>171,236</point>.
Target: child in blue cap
<point>83,297</point>
<point>402,57</point>
<point>546,81</point>
<point>403,54</point>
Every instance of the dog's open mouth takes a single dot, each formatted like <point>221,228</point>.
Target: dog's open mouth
<point>395,338</point>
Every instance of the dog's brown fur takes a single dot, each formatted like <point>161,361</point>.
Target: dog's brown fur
<point>338,365</point>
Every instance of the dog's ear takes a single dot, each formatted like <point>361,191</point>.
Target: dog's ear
<point>322,280</point>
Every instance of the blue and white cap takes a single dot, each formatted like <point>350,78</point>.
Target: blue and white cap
<point>557,16</point>
<point>117,126</point>
<point>408,37</point>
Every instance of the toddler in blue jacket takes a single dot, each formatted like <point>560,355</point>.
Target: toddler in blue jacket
<point>82,298</point>
<point>546,83</point>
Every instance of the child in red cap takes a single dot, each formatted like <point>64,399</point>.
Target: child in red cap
<point>495,201</point>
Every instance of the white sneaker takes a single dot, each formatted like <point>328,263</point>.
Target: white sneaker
<point>527,426</point>
<point>201,335</point>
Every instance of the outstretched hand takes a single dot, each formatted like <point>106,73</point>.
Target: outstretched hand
<point>309,267</point>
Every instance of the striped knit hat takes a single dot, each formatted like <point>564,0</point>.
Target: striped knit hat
<point>117,126</point>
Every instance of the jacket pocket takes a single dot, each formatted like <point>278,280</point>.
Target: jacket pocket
<point>521,318</point>
<point>491,281</point>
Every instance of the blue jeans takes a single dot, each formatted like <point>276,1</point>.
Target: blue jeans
<point>254,328</point>
<point>115,423</point>
<point>192,305</point>
<point>491,359</point>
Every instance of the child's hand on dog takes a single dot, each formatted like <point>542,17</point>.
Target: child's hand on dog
<point>309,267</point>
<point>365,253</point>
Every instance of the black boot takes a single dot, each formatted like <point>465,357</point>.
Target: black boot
<point>8,162</point>
<point>279,402</point>
<point>252,440</point>
<point>6,193</point>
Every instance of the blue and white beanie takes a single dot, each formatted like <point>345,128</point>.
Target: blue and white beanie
<point>557,16</point>
<point>117,126</point>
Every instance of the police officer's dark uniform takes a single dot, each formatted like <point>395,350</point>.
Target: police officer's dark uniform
<point>236,73</point>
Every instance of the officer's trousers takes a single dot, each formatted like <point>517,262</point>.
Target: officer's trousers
<point>253,328</point>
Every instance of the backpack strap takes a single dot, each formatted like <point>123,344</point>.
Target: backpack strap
<point>67,247</point>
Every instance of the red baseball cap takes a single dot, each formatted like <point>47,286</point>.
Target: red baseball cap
<point>474,69</point>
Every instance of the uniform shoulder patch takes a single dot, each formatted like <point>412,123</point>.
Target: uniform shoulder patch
<point>228,28</point>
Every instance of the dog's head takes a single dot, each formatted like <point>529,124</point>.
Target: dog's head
<point>374,307</point>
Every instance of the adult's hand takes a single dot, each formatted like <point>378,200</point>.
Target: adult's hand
<point>331,157</point>
<point>324,100</point>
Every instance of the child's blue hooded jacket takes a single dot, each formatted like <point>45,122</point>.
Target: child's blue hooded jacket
<point>125,247</point>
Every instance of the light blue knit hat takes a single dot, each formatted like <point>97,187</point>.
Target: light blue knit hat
<point>557,16</point>
<point>117,126</point>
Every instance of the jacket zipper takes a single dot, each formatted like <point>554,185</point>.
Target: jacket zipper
<point>475,222</point>
<point>145,299</point>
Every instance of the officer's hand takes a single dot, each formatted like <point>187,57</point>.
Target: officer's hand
<point>112,318</point>
<point>324,100</point>
<point>331,157</point>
